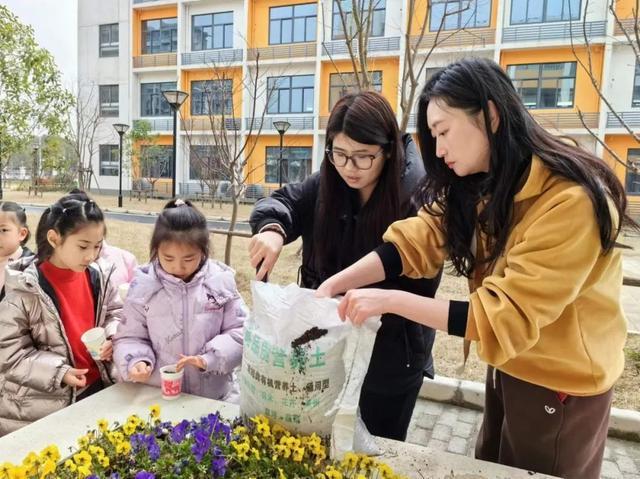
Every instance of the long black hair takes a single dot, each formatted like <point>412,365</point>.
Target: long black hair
<point>180,222</point>
<point>469,85</point>
<point>21,216</point>
<point>66,216</point>
<point>367,118</point>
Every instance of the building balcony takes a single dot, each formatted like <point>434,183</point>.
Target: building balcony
<point>220,57</point>
<point>296,122</point>
<point>276,52</point>
<point>554,31</point>
<point>382,44</point>
<point>211,124</point>
<point>630,118</point>
<point>155,60</point>
<point>627,25</point>
<point>473,37</point>
<point>157,124</point>
<point>565,120</point>
<point>152,3</point>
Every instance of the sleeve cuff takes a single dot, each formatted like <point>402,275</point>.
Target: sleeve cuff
<point>391,260</point>
<point>457,320</point>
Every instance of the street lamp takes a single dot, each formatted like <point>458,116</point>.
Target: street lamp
<point>175,98</point>
<point>121,129</point>
<point>282,127</point>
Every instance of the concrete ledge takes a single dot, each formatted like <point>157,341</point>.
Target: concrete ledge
<point>623,423</point>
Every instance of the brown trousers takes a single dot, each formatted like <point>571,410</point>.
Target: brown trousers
<point>529,427</point>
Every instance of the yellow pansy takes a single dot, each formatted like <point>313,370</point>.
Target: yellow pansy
<point>154,410</point>
<point>264,429</point>
<point>385,471</point>
<point>239,430</point>
<point>50,452</point>
<point>18,472</point>
<point>30,460</point>
<point>103,425</point>
<point>70,465</point>
<point>298,454</point>
<point>129,428</point>
<point>281,474</point>
<point>123,447</point>
<point>84,471</point>
<point>96,451</point>
<point>350,460</point>
<point>333,473</point>
<point>83,458</point>
<point>49,467</point>
<point>104,461</point>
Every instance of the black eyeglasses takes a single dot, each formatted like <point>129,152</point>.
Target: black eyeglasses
<point>361,161</point>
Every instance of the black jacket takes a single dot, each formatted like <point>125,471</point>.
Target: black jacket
<point>402,352</point>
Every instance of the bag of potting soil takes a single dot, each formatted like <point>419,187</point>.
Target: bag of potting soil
<point>303,367</point>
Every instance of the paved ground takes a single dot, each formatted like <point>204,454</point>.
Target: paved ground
<point>444,427</point>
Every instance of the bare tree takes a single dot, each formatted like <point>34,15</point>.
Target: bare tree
<point>84,122</point>
<point>630,30</point>
<point>356,25</point>
<point>230,144</point>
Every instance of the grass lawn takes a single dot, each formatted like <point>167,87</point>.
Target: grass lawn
<point>447,349</point>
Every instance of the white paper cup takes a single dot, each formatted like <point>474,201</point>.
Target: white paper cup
<point>171,381</point>
<point>93,339</point>
<point>123,290</point>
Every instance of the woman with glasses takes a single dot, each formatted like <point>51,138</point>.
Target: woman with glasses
<point>364,184</point>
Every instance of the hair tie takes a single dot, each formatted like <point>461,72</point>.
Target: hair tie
<point>179,202</point>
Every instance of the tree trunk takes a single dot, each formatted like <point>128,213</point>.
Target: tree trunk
<point>232,225</point>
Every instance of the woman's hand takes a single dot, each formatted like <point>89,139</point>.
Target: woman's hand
<point>360,304</point>
<point>75,377</point>
<point>196,361</point>
<point>106,351</point>
<point>140,372</point>
<point>325,290</point>
<point>264,250</point>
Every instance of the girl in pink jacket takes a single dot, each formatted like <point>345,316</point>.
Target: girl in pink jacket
<point>182,308</point>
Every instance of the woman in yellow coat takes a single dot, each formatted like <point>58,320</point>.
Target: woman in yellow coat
<point>532,221</point>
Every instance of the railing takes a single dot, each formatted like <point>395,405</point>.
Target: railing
<point>204,124</point>
<point>554,31</point>
<point>323,122</point>
<point>157,60</point>
<point>383,44</point>
<point>472,37</point>
<point>296,122</point>
<point>290,50</point>
<point>565,120</point>
<point>226,55</point>
<point>157,124</point>
<point>630,118</point>
<point>628,25</point>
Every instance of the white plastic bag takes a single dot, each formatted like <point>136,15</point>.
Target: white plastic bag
<point>303,367</point>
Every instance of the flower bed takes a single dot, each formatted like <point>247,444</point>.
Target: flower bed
<point>206,448</point>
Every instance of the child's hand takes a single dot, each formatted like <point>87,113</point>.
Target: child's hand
<point>196,361</point>
<point>140,372</point>
<point>106,351</point>
<point>75,377</point>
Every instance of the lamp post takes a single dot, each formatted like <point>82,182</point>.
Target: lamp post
<point>282,127</point>
<point>121,129</point>
<point>175,98</point>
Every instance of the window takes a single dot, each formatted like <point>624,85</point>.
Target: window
<point>636,87</point>
<point>377,17</point>
<point>296,164</point>
<point>205,163</point>
<point>292,24</point>
<point>290,94</point>
<point>108,100</point>
<point>212,31</point>
<point>160,36</point>
<point>632,182</point>
<point>209,97</point>
<point>456,14</point>
<point>542,11</point>
<point>342,83</point>
<point>109,160</point>
<point>545,85</point>
<point>155,161</point>
<point>109,40</point>
<point>152,100</point>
